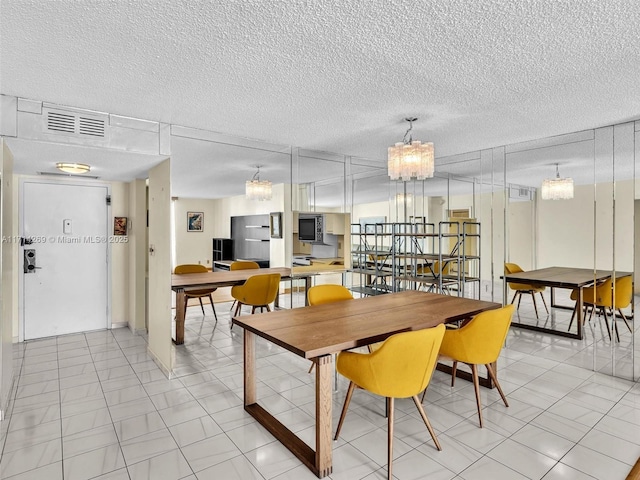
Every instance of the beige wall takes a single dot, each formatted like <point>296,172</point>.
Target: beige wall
<point>226,208</point>
<point>119,257</point>
<point>8,287</point>
<point>137,254</point>
<point>194,247</point>
<point>160,241</point>
<point>566,228</point>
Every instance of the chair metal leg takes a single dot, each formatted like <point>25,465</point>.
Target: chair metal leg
<point>347,401</point>
<point>544,302</point>
<point>454,371</point>
<point>390,438</point>
<point>426,422</point>
<point>514,298</point>
<point>606,321</point>
<point>201,305</point>
<point>313,364</point>
<point>492,374</point>
<point>573,315</point>
<point>614,324</point>
<point>213,307</point>
<point>535,307</point>
<point>476,386</point>
<point>626,322</point>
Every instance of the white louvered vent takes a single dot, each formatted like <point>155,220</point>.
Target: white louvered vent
<point>73,124</point>
<point>91,126</point>
<point>61,122</point>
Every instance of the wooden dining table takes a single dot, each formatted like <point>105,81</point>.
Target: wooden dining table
<point>317,332</point>
<point>181,284</point>
<point>561,277</point>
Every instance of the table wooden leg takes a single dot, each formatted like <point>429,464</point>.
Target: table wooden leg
<point>181,299</point>
<point>249,368</point>
<point>323,416</point>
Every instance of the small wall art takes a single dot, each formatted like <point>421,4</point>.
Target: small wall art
<point>195,221</point>
<point>120,225</point>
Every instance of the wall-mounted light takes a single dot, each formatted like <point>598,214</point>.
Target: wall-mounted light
<point>557,188</point>
<point>256,189</point>
<point>74,168</point>
<point>411,159</point>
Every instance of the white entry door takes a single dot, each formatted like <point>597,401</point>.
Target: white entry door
<point>65,273</point>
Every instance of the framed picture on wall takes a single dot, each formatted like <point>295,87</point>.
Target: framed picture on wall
<point>120,225</point>
<point>275,224</point>
<point>195,221</point>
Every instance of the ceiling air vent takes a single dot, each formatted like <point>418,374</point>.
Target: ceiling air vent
<point>61,122</point>
<point>91,126</point>
<point>75,124</point>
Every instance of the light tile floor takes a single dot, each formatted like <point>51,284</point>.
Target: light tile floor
<point>95,405</point>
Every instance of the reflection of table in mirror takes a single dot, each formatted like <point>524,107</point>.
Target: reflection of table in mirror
<point>196,281</point>
<point>561,277</point>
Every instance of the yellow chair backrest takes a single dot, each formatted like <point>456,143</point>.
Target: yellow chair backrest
<point>623,292</point>
<point>515,268</point>
<point>479,341</point>
<point>190,268</point>
<point>328,293</point>
<point>243,265</point>
<point>444,271</point>
<point>401,367</point>
<point>259,289</point>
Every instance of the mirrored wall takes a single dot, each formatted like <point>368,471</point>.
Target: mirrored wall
<point>496,192</point>
<point>500,189</point>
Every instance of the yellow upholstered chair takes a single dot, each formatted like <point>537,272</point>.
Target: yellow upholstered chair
<point>400,368</point>
<point>193,268</point>
<point>479,342</point>
<point>258,291</point>
<point>612,297</point>
<point>242,265</point>
<point>328,293</point>
<point>521,288</point>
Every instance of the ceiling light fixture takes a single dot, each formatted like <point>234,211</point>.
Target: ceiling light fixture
<point>257,189</point>
<point>75,168</point>
<point>557,188</point>
<point>411,159</point>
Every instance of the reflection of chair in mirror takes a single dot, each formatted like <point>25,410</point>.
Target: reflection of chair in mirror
<point>479,342</point>
<point>193,268</point>
<point>328,293</point>
<point>400,368</point>
<point>242,265</point>
<point>258,291</point>
<point>588,299</point>
<point>439,274</point>
<point>612,297</point>
<point>521,288</point>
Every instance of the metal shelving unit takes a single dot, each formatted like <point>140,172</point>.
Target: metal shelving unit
<point>401,256</point>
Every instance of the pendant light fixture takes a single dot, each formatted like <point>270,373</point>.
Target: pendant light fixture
<point>557,188</point>
<point>257,189</point>
<point>411,159</point>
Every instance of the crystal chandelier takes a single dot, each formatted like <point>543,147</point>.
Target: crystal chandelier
<point>557,188</point>
<point>257,189</point>
<point>411,159</point>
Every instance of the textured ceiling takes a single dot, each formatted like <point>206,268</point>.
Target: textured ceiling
<point>334,76</point>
